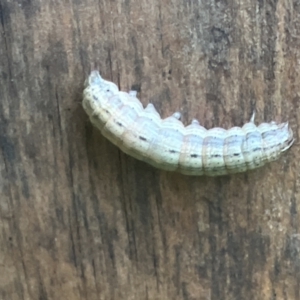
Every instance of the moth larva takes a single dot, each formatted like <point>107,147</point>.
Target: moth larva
<point>167,144</point>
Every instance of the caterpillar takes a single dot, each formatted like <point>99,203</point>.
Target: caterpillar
<point>169,145</point>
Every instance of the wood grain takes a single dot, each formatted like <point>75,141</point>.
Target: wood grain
<point>81,220</point>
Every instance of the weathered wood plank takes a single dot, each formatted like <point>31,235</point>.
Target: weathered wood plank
<point>81,220</point>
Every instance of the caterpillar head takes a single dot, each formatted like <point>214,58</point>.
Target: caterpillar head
<point>107,88</point>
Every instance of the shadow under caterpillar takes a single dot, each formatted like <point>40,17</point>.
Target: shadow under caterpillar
<point>167,144</point>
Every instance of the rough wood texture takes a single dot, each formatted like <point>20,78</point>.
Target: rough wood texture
<point>81,220</point>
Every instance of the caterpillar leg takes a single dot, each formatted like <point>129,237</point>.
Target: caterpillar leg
<point>195,121</point>
<point>133,93</point>
<point>252,117</point>
<point>177,115</point>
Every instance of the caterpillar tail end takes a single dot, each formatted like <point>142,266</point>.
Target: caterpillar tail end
<point>290,140</point>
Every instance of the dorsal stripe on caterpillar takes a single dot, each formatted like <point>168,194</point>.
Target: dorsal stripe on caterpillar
<point>167,144</point>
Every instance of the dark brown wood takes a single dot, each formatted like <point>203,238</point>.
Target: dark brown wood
<point>81,220</point>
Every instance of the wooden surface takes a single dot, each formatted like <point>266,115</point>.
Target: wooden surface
<point>81,220</point>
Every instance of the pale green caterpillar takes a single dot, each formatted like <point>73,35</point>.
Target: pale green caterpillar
<point>169,145</point>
